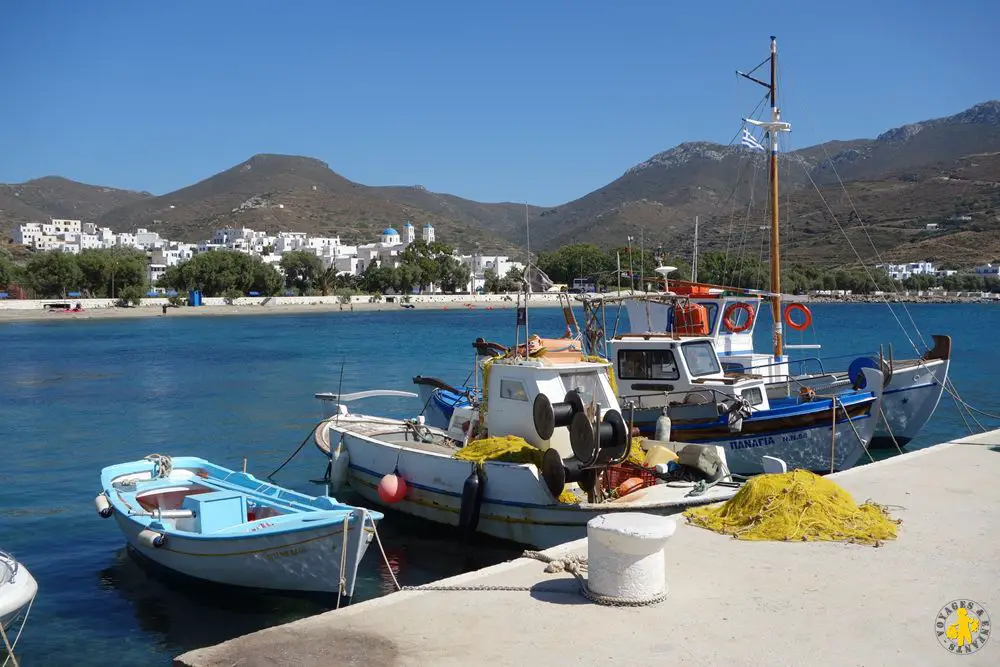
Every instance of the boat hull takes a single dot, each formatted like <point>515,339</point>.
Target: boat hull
<point>808,446</point>
<point>909,400</point>
<point>516,505</point>
<point>303,561</point>
<point>15,596</point>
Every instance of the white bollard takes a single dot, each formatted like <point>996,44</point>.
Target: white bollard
<point>625,556</point>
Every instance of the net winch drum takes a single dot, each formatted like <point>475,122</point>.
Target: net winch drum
<point>606,444</point>
<point>549,416</point>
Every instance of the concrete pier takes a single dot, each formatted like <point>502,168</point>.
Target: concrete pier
<point>730,603</point>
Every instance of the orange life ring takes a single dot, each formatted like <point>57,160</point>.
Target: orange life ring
<point>798,307</point>
<point>732,310</point>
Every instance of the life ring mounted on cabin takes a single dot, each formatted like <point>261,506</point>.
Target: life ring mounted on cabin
<point>798,308</point>
<point>734,308</point>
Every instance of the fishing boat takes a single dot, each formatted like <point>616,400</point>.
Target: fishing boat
<point>17,593</point>
<point>559,407</point>
<point>227,527</point>
<point>680,377</point>
<point>913,387</point>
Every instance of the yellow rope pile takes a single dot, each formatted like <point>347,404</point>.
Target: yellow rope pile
<point>797,505</point>
<point>508,449</point>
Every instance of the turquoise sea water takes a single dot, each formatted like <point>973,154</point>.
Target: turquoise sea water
<point>77,395</point>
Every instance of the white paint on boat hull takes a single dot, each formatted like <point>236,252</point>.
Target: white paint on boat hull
<point>517,505</point>
<point>307,561</point>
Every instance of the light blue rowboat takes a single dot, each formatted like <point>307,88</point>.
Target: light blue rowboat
<point>227,527</point>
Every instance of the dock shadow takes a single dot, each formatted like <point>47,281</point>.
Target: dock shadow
<point>559,591</point>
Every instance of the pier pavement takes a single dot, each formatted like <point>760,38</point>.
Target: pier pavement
<point>730,602</point>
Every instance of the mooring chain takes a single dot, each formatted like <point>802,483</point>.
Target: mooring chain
<point>574,565</point>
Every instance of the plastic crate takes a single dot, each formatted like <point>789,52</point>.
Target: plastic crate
<point>615,475</point>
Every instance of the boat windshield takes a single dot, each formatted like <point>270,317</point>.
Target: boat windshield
<point>700,358</point>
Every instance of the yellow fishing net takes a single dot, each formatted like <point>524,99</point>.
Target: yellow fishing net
<point>636,454</point>
<point>797,505</point>
<point>508,449</point>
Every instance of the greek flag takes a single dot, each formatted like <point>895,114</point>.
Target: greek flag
<point>750,142</point>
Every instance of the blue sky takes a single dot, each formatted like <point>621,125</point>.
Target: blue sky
<point>513,101</point>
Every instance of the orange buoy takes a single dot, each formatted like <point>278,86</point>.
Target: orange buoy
<point>392,488</point>
<point>628,486</point>
<point>798,308</point>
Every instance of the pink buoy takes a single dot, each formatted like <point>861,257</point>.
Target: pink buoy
<point>392,488</point>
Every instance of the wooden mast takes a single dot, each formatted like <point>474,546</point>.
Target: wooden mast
<point>772,127</point>
<point>775,237</point>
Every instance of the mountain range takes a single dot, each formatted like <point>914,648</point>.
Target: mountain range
<point>879,193</point>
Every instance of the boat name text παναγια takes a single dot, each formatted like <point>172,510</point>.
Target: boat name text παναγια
<point>751,443</point>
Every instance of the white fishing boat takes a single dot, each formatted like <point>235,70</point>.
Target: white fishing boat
<point>17,593</point>
<point>912,387</point>
<point>563,407</point>
<point>227,527</point>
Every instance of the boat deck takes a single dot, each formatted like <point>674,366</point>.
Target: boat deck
<point>394,433</point>
<point>730,603</point>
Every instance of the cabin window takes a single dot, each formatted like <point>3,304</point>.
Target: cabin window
<point>753,396</point>
<point>701,358</point>
<point>513,390</point>
<point>647,365</point>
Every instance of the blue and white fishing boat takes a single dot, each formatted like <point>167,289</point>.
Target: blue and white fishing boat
<point>205,521</point>
<point>913,387</point>
<point>680,378</point>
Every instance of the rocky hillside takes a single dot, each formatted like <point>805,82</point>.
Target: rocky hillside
<point>41,199</point>
<point>661,196</point>
<point>944,171</point>
<point>288,193</point>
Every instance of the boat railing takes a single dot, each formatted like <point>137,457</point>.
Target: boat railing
<point>628,401</point>
<point>804,360</point>
<point>801,364</point>
<point>164,514</point>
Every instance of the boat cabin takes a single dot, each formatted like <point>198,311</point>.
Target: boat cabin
<point>656,370</point>
<point>729,320</point>
<point>513,386</point>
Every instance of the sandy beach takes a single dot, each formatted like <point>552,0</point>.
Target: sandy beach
<point>112,312</point>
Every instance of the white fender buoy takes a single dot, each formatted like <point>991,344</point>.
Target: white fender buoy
<point>103,506</point>
<point>625,556</point>
<point>151,539</point>
<point>339,461</point>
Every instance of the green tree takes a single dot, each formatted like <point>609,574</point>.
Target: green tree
<point>222,272</point>
<point>266,279</point>
<point>53,273</point>
<point>107,271</point>
<point>10,273</point>
<point>302,269</point>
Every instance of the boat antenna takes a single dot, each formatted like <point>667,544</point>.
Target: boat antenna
<point>772,128</point>
<point>522,311</point>
<point>694,257</point>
